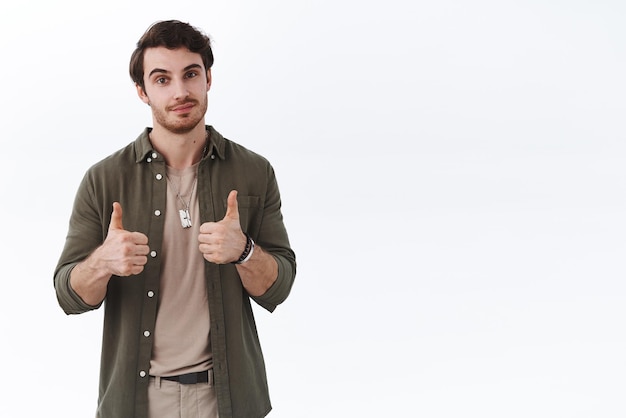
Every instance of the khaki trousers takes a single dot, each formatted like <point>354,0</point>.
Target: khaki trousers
<point>168,399</point>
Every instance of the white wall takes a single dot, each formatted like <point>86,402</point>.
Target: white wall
<point>452,176</point>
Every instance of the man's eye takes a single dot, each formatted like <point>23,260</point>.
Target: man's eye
<point>192,74</point>
<point>160,80</point>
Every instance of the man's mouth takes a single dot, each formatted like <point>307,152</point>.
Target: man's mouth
<point>183,108</point>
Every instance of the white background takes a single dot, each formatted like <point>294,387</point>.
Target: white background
<point>452,175</point>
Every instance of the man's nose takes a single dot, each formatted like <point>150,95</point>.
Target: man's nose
<point>180,90</point>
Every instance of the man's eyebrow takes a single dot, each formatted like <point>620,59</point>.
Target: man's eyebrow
<point>158,70</point>
<point>189,67</point>
<point>161,70</point>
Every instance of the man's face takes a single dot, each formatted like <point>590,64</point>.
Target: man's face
<point>176,86</point>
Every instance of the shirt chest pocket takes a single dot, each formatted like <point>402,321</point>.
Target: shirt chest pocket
<point>250,212</point>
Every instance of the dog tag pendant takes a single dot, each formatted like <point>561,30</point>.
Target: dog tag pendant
<point>185,218</point>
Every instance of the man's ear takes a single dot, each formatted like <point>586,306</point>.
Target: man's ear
<point>142,94</point>
<point>208,79</point>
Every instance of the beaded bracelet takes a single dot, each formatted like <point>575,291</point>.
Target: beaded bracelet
<point>247,252</point>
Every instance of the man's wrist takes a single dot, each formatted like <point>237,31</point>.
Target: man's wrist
<point>247,252</point>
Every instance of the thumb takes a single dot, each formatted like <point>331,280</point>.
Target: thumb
<point>116,217</point>
<point>232,209</point>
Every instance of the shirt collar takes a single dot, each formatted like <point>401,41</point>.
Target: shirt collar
<point>144,150</point>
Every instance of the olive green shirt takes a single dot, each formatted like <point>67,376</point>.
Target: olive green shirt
<point>135,177</point>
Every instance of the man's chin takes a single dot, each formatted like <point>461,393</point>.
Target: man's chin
<point>182,127</point>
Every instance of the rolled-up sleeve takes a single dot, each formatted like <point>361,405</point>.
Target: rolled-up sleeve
<point>281,288</point>
<point>68,299</point>
<point>84,235</point>
<point>274,239</point>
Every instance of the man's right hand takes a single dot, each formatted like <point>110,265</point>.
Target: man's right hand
<point>123,253</point>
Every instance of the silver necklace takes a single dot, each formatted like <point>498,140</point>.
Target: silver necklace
<point>185,215</point>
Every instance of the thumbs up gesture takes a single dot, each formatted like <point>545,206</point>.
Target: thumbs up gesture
<point>223,242</point>
<point>123,253</point>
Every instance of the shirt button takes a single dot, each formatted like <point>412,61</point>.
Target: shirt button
<point>152,254</point>
<point>142,373</point>
<point>146,333</point>
<point>159,176</point>
<point>212,156</point>
<point>154,155</point>
<point>149,159</point>
<point>150,294</point>
<point>157,212</point>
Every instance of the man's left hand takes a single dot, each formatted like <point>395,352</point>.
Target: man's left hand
<point>223,242</point>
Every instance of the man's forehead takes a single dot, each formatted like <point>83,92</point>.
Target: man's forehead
<point>170,60</point>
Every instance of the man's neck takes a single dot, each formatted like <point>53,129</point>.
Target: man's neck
<point>180,150</point>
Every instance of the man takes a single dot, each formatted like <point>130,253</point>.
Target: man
<point>175,233</point>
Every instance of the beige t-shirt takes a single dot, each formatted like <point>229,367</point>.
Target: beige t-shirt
<point>181,334</point>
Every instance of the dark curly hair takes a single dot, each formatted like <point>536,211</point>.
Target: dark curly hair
<point>171,34</point>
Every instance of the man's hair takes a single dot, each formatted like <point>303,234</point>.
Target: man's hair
<point>171,34</point>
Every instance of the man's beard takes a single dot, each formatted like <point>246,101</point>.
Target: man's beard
<point>181,124</point>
